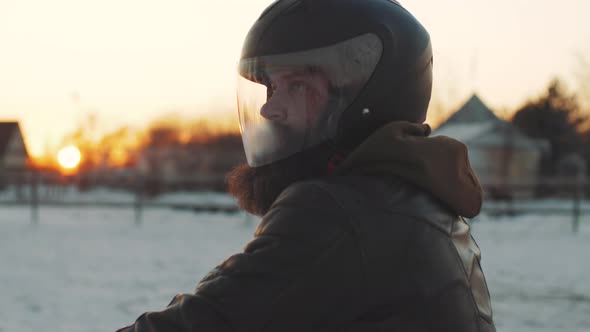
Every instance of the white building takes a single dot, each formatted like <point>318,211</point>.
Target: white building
<point>499,152</point>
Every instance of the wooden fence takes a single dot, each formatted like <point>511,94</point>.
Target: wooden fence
<point>500,198</point>
<point>37,189</point>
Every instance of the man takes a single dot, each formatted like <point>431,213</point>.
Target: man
<point>362,226</point>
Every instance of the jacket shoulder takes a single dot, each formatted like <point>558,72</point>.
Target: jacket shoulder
<point>311,194</point>
<point>390,196</point>
<point>304,207</point>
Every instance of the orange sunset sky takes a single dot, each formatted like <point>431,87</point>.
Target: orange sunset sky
<point>131,61</point>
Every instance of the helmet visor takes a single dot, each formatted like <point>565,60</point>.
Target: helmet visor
<point>291,102</point>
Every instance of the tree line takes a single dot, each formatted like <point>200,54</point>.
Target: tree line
<point>558,117</point>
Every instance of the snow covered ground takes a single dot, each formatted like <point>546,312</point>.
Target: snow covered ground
<point>537,270</point>
<point>94,269</point>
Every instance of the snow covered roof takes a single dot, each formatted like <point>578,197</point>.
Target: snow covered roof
<point>491,133</point>
<point>473,111</point>
<point>464,132</point>
<point>472,120</point>
<point>475,123</point>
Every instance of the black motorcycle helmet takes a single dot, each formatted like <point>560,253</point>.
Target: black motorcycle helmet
<point>316,71</point>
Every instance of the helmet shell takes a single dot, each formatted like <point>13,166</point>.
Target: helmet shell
<point>399,88</point>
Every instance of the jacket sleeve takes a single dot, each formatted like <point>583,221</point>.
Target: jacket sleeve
<point>301,272</point>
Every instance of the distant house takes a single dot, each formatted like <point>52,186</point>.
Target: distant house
<point>13,152</point>
<point>499,152</point>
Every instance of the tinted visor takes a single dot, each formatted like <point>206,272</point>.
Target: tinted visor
<point>291,102</point>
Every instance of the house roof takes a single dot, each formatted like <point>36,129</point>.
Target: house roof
<point>469,122</point>
<point>473,111</point>
<point>6,131</point>
<point>475,123</point>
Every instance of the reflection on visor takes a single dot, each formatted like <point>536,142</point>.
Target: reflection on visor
<point>291,102</point>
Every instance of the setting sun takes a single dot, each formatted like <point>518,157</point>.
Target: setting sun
<point>69,157</point>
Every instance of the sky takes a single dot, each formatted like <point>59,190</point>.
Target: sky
<point>129,61</point>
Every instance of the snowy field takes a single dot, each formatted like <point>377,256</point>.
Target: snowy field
<point>94,269</point>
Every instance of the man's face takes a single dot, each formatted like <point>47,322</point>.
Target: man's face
<point>287,110</point>
<point>295,99</point>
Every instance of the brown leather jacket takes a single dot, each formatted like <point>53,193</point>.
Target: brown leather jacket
<point>363,250</point>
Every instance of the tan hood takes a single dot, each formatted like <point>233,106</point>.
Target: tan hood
<point>437,164</point>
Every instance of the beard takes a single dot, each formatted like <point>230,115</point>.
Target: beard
<point>256,188</point>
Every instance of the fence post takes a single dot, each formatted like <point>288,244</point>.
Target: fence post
<point>34,197</point>
<point>579,195</point>
<point>138,200</point>
<point>576,213</point>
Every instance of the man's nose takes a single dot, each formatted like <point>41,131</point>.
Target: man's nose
<point>274,110</point>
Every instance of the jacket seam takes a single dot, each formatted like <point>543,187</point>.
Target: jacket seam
<point>345,235</point>
<point>343,238</point>
<point>477,313</point>
<point>458,259</point>
<point>357,232</point>
<point>414,280</point>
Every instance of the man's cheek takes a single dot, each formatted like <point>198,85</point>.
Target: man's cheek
<point>315,104</point>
